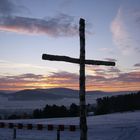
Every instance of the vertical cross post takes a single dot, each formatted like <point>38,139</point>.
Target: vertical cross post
<point>83,121</point>
<point>58,134</point>
<point>14,133</point>
<point>82,61</point>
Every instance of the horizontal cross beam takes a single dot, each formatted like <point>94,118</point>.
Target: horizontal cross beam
<point>75,60</point>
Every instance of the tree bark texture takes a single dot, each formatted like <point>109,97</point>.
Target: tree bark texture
<point>75,60</point>
<point>83,121</point>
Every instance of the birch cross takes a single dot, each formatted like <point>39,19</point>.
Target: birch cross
<point>81,61</point>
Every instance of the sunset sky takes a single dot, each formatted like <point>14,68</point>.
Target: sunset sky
<point>29,28</point>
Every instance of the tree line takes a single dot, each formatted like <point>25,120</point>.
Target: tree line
<point>120,103</point>
<point>105,105</point>
<point>55,111</point>
<point>49,111</point>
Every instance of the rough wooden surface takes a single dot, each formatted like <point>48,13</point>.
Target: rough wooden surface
<point>83,120</point>
<point>75,60</point>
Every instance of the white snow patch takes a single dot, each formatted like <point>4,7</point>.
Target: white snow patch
<point>119,126</point>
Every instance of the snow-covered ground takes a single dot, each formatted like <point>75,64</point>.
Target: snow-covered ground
<point>119,126</point>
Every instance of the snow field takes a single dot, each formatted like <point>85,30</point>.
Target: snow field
<point>119,126</point>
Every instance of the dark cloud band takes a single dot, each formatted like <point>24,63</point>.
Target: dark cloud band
<point>61,25</point>
<point>137,65</point>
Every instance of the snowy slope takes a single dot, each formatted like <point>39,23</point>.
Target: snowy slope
<point>120,126</point>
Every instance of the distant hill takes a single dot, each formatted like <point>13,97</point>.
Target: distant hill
<point>2,93</point>
<point>27,100</point>
<point>6,91</point>
<point>54,94</point>
<point>43,94</point>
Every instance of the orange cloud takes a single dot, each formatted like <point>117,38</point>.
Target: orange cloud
<point>122,82</point>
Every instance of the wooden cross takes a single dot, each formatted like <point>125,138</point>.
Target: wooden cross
<point>82,62</point>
